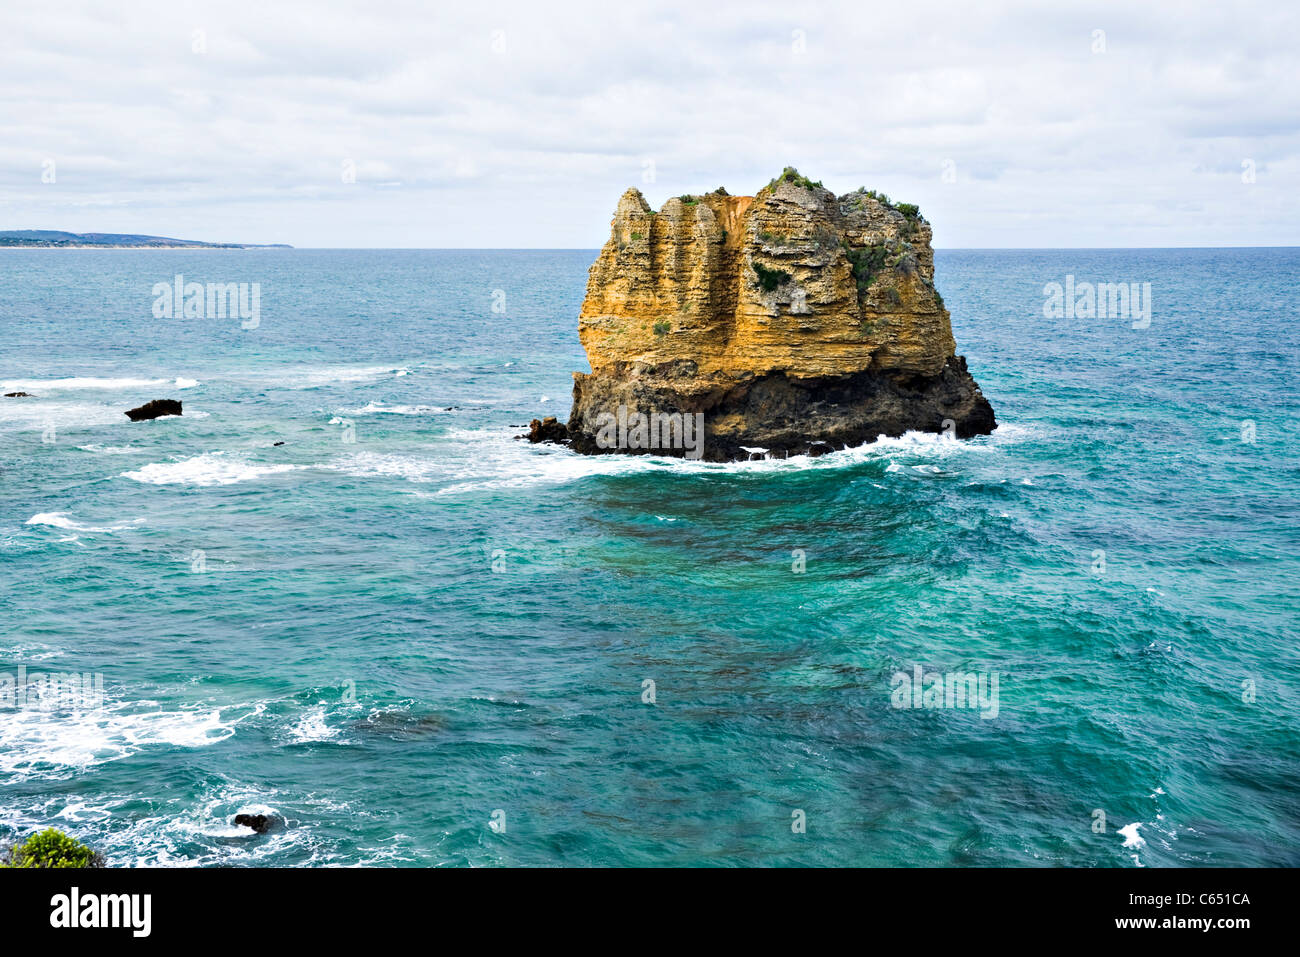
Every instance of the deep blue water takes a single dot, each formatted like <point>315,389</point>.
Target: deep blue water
<point>317,628</point>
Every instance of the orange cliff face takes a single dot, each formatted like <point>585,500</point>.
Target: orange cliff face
<point>793,321</point>
<point>794,280</point>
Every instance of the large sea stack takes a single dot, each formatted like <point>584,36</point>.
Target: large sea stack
<point>795,322</point>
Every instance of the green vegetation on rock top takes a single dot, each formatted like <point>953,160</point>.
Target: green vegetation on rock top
<point>792,175</point>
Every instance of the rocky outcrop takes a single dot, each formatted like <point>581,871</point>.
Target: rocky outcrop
<point>154,409</point>
<point>548,429</point>
<point>790,322</point>
<point>19,395</point>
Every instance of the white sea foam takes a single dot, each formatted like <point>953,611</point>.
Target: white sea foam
<point>313,377</point>
<point>1131,836</point>
<point>206,833</point>
<point>38,414</point>
<point>39,386</point>
<point>112,449</point>
<point>312,727</point>
<point>55,744</point>
<point>61,520</point>
<point>29,652</point>
<point>393,465</point>
<point>213,468</point>
<point>471,460</point>
<point>378,408</point>
<point>486,459</point>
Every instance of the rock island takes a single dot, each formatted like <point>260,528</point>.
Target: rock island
<point>790,322</point>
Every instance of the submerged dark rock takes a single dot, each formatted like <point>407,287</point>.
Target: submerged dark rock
<point>155,409</point>
<point>398,724</point>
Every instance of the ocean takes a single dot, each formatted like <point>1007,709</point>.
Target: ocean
<point>414,640</point>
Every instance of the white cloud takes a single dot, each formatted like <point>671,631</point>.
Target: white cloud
<point>513,125</point>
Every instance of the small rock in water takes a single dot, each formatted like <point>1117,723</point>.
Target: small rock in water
<point>260,823</point>
<point>155,409</point>
<point>547,430</point>
<point>278,443</point>
<point>19,395</point>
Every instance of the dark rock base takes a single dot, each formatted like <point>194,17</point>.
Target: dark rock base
<point>778,415</point>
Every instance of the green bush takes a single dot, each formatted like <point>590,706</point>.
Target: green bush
<point>792,175</point>
<point>688,200</point>
<point>662,327</point>
<point>51,848</point>
<point>770,278</point>
<point>866,263</point>
<point>911,212</point>
<point>881,198</point>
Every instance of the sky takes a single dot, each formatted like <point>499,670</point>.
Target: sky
<point>518,125</point>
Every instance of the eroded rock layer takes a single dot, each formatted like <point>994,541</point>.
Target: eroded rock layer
<point>794,321</point>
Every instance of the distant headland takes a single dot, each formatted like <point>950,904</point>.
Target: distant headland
<point>56,239</point>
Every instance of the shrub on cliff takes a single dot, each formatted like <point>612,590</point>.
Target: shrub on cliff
<point>770,278</point>
<point>866,263</point>
<point>881,198</point>
<point>51,848</point>
<point>792,175</point>
<point>911,212</point>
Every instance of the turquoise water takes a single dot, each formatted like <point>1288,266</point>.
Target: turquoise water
<point>317,628</point>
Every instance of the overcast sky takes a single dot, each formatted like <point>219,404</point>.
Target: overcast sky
<point>519,125</point>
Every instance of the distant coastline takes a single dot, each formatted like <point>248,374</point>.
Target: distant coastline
<point>57,239</point>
